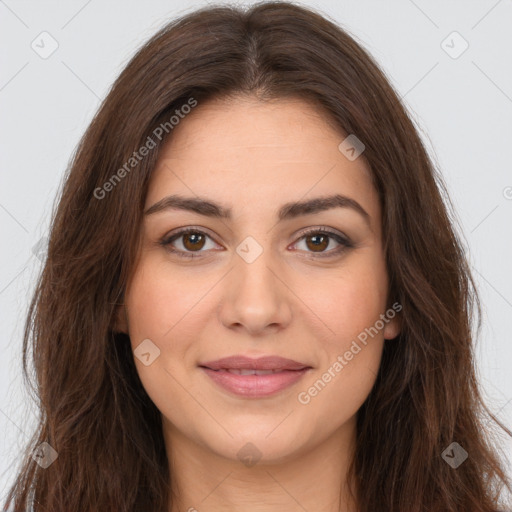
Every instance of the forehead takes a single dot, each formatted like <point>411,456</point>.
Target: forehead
<point>245,152</point>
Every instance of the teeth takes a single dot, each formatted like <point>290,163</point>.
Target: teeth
<point>251,372</point>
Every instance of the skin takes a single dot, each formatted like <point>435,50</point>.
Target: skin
<point>253,157</point>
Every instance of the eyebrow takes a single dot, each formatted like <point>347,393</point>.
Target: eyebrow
<point>288,211</point>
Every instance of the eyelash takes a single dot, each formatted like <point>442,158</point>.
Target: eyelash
<point>344,242</point>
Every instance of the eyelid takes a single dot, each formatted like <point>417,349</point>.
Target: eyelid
<point>321,229</point>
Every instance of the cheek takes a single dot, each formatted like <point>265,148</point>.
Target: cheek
<point>349,301</point>
<point>350,306</point>
<point>351,355</point>
<point>157,311</point>
<point>153,304</point>
<point>158,299</point>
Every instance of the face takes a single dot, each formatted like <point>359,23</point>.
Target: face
<point>261,272</point>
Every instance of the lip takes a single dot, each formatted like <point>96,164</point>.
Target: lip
<point>240,362</point>
<point>283,373</point>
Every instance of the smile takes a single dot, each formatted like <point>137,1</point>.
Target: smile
<point>254,378</point>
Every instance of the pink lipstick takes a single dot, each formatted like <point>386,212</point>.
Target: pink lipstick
<point>254,378</point>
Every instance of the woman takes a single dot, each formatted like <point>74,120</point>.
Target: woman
<point>253,297</point>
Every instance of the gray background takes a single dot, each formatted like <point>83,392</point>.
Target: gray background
<point>462,105</point>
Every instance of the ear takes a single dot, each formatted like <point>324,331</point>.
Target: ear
<point>120,323</point>
<point>394,325</point>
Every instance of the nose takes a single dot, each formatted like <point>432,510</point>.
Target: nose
<point>256,298</point>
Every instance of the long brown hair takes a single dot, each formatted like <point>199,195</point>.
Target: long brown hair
<point>94,410</point>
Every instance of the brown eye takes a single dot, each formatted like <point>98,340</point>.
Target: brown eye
<point>193,241</point>
<point>319,242</point>
<point>189,243</point>
<point>322,242</point>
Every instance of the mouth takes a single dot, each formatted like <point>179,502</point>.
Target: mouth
<point>254,378</point>
<point>240,371</point>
